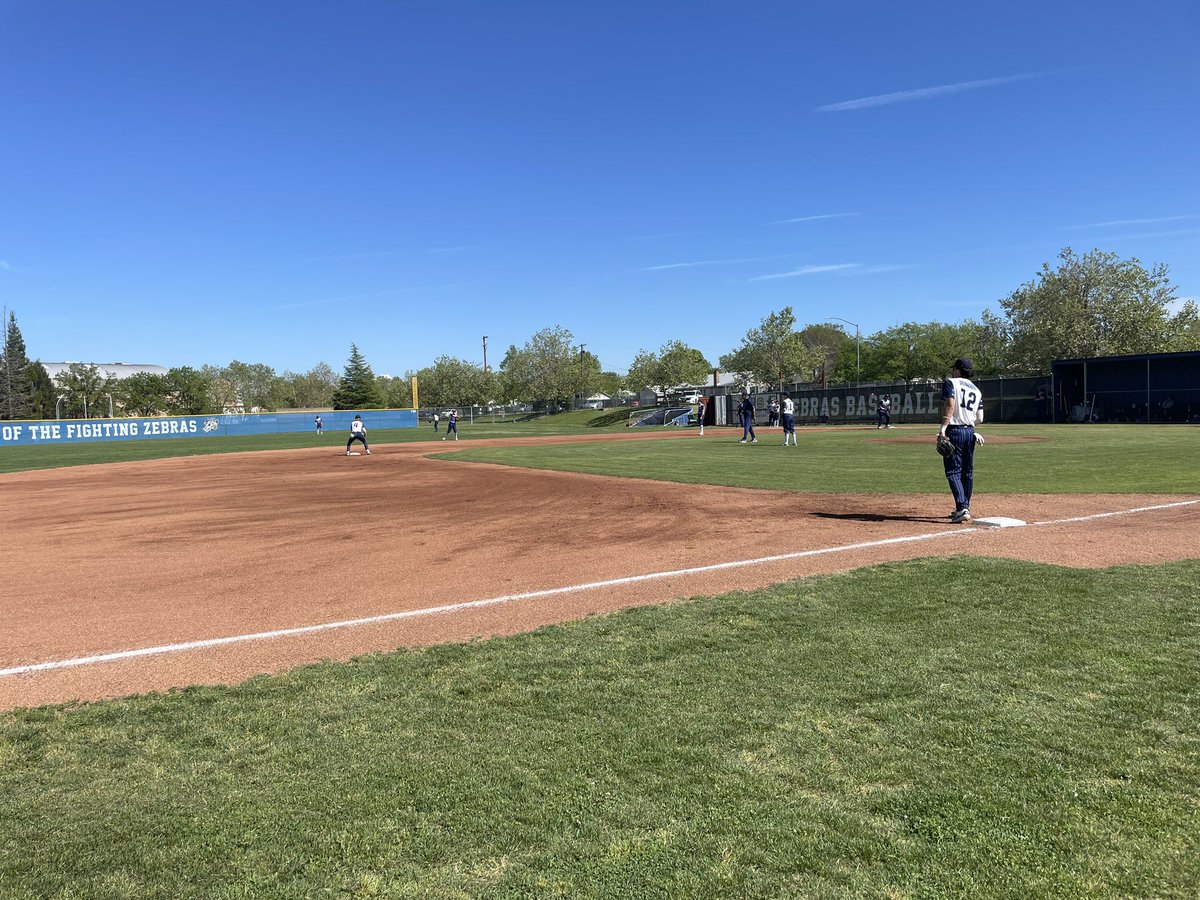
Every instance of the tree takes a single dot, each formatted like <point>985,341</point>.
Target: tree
<point>357,388</point>
<point>829,343</point>
<point>84,388</point>
<point>452,382</point>
<point>924,351</point>
<point>143,394</point>
<point>1094,305</point>
<point>545,370</point>
<point>188,392</point>
<point>397,392</point>
<point>44,397</point>
<point>675,364</point>
<point>774,352</point>
<point>310,390</point>
<point>16,384</point>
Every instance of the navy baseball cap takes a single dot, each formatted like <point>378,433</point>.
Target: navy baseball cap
<point>964,365</point>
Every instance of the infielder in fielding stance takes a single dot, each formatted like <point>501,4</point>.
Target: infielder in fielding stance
<point>452,425</point>
<point>358,432</point>
<point>962,409</point>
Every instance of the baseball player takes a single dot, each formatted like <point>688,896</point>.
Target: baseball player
<point>452,425</point>
<point>320,426</point>
<point>883,414</point>
<point>789,420</point>
<point>746,412</point>
<point>701,409</point>
<point>962,409</point>
<point>358,432</point>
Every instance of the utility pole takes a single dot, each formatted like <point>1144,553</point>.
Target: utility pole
<point>485,354</point>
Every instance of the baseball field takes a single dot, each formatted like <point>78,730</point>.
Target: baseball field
<point>557,659</point>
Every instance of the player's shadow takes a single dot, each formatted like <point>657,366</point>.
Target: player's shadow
<point>878,517</point>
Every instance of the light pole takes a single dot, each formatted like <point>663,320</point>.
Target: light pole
<point>857,349</point>
<point>485,354</point>
<point>57,404</point>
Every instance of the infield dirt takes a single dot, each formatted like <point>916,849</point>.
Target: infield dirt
<point>100,559</point>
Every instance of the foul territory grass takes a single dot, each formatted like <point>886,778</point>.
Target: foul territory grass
<point>944,727</point>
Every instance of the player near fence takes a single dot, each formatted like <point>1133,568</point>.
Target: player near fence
<point>701,409</point>
<point>883,412</point>
<point>962,409</point>
<point>320,426</point>
<point>358,432</point>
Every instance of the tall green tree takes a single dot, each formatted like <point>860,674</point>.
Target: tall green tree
<point>545,370</point>
<point>1091,305</point>
<point>86,391</point>
<point>44,397</point>
<point>774,352</point>
<point>188,392</point>
<point>309,390</point>
<point>673,365</point>
<point>452,382</point>
<point>357,388</point>
<point>828,343</point>
<point>142,394</point>
<point>16,382</point>
<point>918,351</point>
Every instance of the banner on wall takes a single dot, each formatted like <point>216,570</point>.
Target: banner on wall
<point>75,431</point>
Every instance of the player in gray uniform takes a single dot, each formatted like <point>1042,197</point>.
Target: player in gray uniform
<point>962,409</point>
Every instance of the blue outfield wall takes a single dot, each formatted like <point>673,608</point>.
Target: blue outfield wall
<point>78,431</point>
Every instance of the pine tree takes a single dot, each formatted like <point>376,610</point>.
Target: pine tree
<point>357,388</point>
<point>16,386</point>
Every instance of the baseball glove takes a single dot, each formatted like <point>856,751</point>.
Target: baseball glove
<point>944,446</point>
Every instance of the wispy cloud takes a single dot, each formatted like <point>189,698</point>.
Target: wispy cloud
<point>1181,232</point>
<point>806,270</point>
<point>5,266</point>
<point>814,218</point>
<point>1133,222</point>
<point>883,268</point>
<point>707,262</point>
<point>928,93</point>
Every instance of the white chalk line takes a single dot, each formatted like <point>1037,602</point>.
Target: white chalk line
<point>1119,512</point>
<point>529,595</point>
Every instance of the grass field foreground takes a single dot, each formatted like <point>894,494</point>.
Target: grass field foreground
<point>945,727</point>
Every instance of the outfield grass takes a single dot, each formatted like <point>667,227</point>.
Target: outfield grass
<point>50,456</point>
<point>1058,459</point>
<point>1048,460</point>
<point>937,728</point>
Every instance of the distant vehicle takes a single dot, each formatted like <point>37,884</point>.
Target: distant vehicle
<point>693,397</point>
<point>594,404</point>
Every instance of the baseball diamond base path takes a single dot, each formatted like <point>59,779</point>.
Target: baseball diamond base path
<point>130,556</point>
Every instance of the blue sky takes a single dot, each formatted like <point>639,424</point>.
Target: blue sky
<point>196,182</point>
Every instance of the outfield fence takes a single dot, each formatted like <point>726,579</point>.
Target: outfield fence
<point>76,431</point>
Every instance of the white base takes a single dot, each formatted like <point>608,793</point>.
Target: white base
<point>999,522</point>
<point>356,453</point>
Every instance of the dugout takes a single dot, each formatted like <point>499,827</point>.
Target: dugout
<point>1151,387</point>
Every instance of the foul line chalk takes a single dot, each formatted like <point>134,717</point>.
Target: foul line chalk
<point>456,607</point>
<point>1119,512</point>
<point>530,595</point>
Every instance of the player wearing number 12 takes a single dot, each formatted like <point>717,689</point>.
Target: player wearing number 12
<point>962,409</point>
